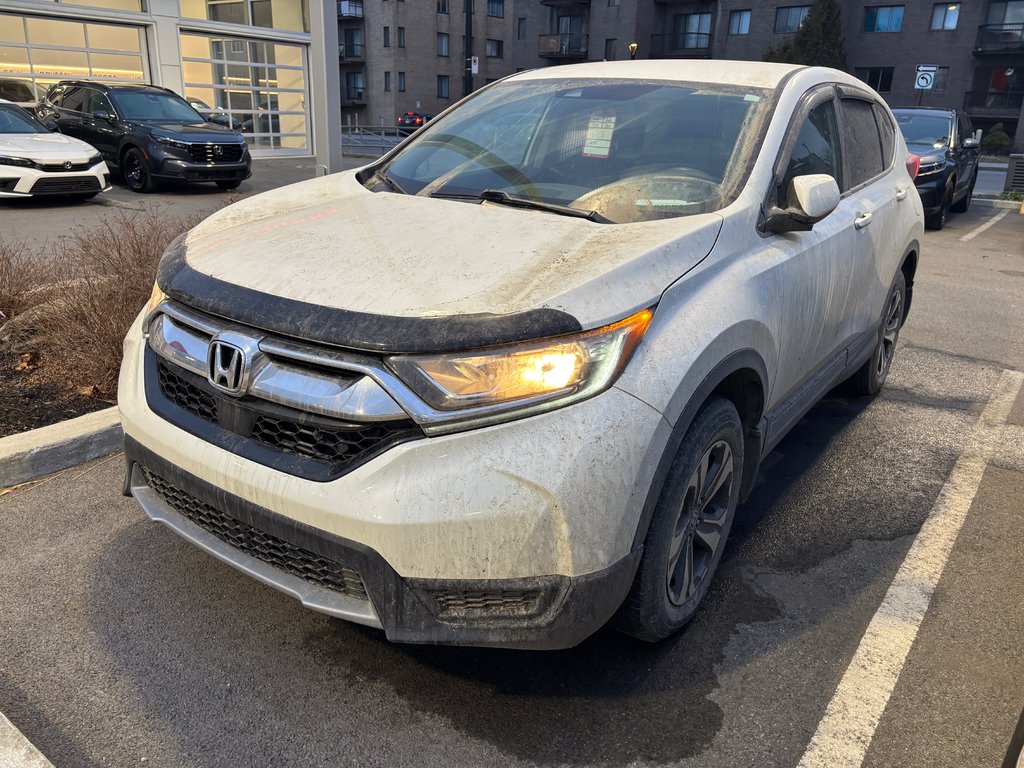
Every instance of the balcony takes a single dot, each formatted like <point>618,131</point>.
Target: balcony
<point>353,97</point>
<point>352,52</point>
<point>563,46</point>
<point>994,104</point>
<point>1000,38</point>
<point>350,9</point>
<point>682,45</point>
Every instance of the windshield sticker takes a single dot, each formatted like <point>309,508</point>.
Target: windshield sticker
<point>598,141</point>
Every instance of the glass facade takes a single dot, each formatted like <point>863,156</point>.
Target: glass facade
<point>41,51</point>
<point>291,15</point>
<point>256,86</point>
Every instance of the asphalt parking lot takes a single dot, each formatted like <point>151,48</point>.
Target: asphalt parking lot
<point>121,643</point>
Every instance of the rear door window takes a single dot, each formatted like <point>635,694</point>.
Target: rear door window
<point>74,99</point>
<point>98,102</point>
<point>887,133</point>
<point>817,149</point>
<point>863,144</point>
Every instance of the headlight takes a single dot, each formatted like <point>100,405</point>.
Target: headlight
<point>156,297</point>
<point>167,142</point>
<point>21,162</point>
<point>94,160</point>
<point>924,170</point>
<point>563,369</point>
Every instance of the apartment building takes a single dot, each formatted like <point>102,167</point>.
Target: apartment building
<point>978,48</point>
<point>401,56</point>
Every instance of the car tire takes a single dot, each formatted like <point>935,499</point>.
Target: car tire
<point>964,203</point>
<point>689,527</point>
<point>229,184</point>
<point>135,171</point>
<point>938,220</point>
<point>870,377</point>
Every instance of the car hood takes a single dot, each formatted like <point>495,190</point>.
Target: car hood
<point>192,131</point>
<point>45,146</point>
<point>330,244</point>
<point>928,152</point>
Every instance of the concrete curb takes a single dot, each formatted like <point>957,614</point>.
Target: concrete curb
<point>990,203</point>
<point>16,751</point>
<point>46,450</point>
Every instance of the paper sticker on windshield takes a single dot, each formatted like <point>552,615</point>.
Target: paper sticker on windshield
<point>598,141</point>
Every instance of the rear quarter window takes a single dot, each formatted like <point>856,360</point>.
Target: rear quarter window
<point>887,132</point>
<point>863,144</point>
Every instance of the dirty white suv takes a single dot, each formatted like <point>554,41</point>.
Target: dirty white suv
<point>511,381</point>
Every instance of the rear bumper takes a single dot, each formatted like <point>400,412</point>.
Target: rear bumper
<point>343,578</point>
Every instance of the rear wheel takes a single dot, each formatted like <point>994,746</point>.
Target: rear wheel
<point>688,530</point>
<point>868,380</point>
<point>229,183</point>
<point>136,171</point>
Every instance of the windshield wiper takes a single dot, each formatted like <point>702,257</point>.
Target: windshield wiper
<point>390,182</point>
<point>504,198</point>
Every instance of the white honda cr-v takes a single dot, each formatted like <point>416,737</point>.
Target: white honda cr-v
<point>510,381</point>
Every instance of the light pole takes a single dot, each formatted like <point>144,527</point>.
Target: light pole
<point>632,51</point>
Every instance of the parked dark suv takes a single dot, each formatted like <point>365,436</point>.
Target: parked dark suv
<point>944,140</point>
<point>148,133</point>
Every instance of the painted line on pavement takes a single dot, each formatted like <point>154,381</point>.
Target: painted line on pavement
<point>850,721</point>
<point>978,230</point>
<point>16,751</point>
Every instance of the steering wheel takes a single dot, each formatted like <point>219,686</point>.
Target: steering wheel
<point>492,162</point>
<point>618,200</point>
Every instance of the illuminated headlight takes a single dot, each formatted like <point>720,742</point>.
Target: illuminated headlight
<point>167,142</point>
<point>925,169</point>
<point>21,162</point>
<point>554,371</point>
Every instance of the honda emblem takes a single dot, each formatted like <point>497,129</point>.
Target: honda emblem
<point>226,367</point>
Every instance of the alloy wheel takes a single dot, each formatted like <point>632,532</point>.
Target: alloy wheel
<point>133,172</point>
<point>891,330</point>
<point>697,535</point>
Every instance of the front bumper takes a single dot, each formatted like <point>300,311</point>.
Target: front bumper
<point>32,182</point>
<point>932,189</point>
<point>167,164</point>
<point>547,505</point>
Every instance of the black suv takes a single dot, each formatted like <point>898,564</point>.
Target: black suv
<point>148,133</point>
<point>944,140</point>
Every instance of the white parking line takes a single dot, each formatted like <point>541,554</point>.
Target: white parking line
<point>850,721</point>
<point>16,751</point>
<point>978,230</point>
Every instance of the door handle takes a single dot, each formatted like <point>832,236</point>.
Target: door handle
<point>862,220</point>
<point>901,194</point>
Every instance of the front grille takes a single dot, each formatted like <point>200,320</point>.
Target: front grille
<point>284,429</point>
<point>506,602</point>
<point>215,153</point>
<point>259,544</point>
<point>61,168</point>
<point>63,186</point>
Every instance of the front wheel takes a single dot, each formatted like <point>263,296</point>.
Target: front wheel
<point>688,530</point>
<point>136,173</point>
<point>868,380</point>
<point>964,203</point>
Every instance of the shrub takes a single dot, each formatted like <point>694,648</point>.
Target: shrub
<point>22,279</point>
<point>996,141</point>
<point>103,275</point>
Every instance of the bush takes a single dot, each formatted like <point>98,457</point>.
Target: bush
<point>996,141</point>
<point>101,276</point>
<point>22,279</point>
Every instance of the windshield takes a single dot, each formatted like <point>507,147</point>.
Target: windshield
<point>924,129</point>
<point>145,105</point>
<point>628,150</point>
<point>16,120</point>
<point>18,90</point>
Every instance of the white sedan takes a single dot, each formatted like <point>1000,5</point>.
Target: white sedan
<point>35,162</point>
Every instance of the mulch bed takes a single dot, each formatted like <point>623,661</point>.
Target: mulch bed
<point>27,402</point>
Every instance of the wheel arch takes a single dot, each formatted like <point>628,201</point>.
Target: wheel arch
<point>908,266</point>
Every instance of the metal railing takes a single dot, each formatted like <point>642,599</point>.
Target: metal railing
<point>994,102</point>
<point>350,8</point>
<point>361,140</point>
<point>569,45</point>
<point>994,38</point>
<point>696,44</point>
<point>351,51</point>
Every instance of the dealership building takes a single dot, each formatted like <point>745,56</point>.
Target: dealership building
<point>249,59</point>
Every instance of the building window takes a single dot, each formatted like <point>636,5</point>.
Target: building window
<point>354,85</point>
<point>496,8</point>
<point>258,13</point>
<point>739,23</point>
<point>442,86</point>
<point>387,37</point>
<point>883,18</point>
<point>693,30</point>
<point>789,19</point>
<point>610,46</point>
<point>494,49</point>
<point>521,28</point>
<point>945,15</point>
<point>613,3</point>
<point>879,78</point>
<point>442,43</point>
<point>442,6</point>
<point>401,82</point>
<point>401,37</point>
<point>387,82</point>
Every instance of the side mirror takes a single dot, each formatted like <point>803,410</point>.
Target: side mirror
<point>809,199</point>
<point>971,143</point>
<point>102,114</point>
